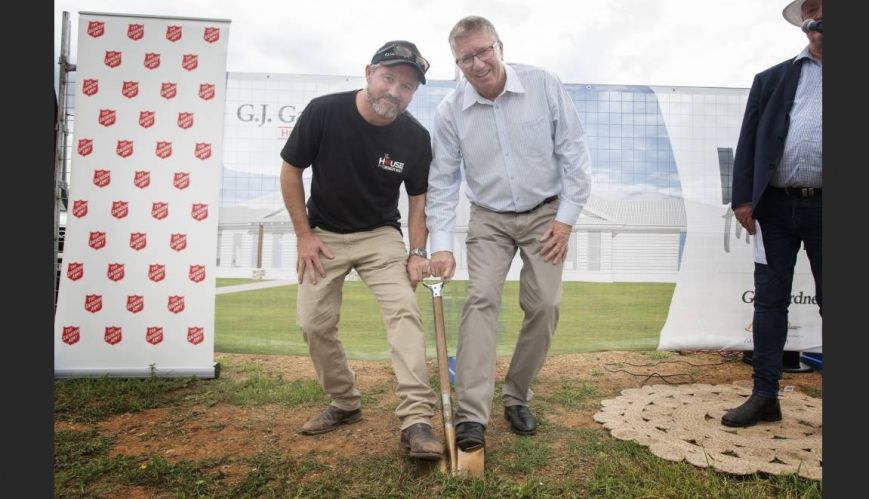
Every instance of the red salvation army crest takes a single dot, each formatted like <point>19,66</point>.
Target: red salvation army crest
<point>93,303</point>
<point>112,59</point>
<point>113,335</point>
<point>90,87</point>
<point>190,62</point>
<point>138,240</point>
<point>176,304</point>
<point>115,271</point>
<point>107,117</point>
<point>163,149</point>
<point>146,119</point>
<point>142,179</point>
<point>97,240</point>
<point>196,273</point>
<point>154,335</point>
<point>206,91</point>
<point>96,29</point>
<point>195,335</point>
<point>173,33</point>
<point>199,211</point>
<point>203,150</point>
<point>85,146</point>
<point>185,120</point>
<point>156,272</point>
<point>152,60</point>
<point>124,148</point>
<point>159,210</point>
<point>211,35</point>
<point>71,335</point>
<point>79,208</point>
<point>135,31</point>
<point>130,89</point>
<point>102,178</point>
<point>178,241</point>
<point>75,271</point>
<point>135,303</point>
<point>181,180</point>
<point>168,89</point>
<point>120,209</point>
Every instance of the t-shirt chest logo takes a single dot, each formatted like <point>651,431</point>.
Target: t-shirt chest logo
<point>390,164</point>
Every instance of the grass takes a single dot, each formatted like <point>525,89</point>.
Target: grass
<point>594,317</point>
<point>234,281</point>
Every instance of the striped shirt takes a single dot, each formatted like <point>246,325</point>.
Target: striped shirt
<point>802,163</point>
<point>522,147</point>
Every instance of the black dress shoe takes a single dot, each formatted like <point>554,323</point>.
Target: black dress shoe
<point>756,408</point>
<point>470,436</point>
<point>521,420</point>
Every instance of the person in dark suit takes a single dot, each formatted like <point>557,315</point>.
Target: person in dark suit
<point>777,182</point>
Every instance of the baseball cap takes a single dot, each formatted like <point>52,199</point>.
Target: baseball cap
<point>401,52</point>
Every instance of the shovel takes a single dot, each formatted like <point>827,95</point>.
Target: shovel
<point>455,460</point>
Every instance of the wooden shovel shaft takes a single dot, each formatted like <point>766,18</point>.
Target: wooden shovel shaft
<point>444,379</point>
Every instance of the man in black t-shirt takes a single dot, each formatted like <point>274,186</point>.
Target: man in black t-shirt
<point>361,146</point>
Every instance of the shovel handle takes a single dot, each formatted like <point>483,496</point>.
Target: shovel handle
<point>437,301</point>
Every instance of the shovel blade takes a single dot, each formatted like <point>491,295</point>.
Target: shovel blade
<point>472,462</point>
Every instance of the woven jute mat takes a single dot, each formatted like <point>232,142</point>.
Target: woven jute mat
<point>679,422</point>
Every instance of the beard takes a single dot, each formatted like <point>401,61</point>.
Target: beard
<point>383,108</point>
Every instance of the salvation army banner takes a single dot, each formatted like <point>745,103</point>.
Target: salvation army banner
<point>136,294</point>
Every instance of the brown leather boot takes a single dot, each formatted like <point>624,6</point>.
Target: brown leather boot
<point>331,419</point>
<point>418,441</point>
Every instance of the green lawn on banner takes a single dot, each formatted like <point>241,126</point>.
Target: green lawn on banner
<point>594,317</point>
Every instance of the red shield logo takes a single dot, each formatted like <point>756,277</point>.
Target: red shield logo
<point>125,148</point>
<point>130,89</point>
<point>195,335</point>
<point>93,303</point>
<point>96,29</point>
<point>135,31</point>
<point>156,272</point>
<point>102,178</point>
<point>154,335</point>
<point>146,119</point>
<point>85,146</point>
<point>90,87</point>
<point>113,58</point>
<point>203,150</point>
<point>173,33</point>
<point>115,272</point>
<point>71,335</point>
<point>199,211</point>
<point>138,240</point>
<point>168,90</point>
<point>107,117</point>
<point>164,149</point>
<point>190,62</point>
<point>178,242</point>
<point>159,210</point>
<point>79,208</point>
<point>211,35</point>
<point>206,91</point>
<point>135,303</point>
<point>152,60</point>
<point>75,271</point>
<point>120,209</point>
<point>196,273</point>
<point>97,240</point>
<point>185,120</point>
<point>176,304</point>
<point>181,180</point>
<point>113,335</point>
<point>142,179</point>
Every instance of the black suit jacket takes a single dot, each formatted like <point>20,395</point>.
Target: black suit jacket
<point>764,128</point>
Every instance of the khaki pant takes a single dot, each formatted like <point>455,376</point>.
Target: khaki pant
<point>380,257</point>
<point>492,241</point>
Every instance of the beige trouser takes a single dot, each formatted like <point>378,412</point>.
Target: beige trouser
<point>492,241</point>
<point>379,256</point>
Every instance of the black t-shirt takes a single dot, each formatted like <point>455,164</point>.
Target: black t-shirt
<point>357,167</point>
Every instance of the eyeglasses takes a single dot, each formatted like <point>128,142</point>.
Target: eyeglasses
<point>483,55</point>
<point>401,52</point>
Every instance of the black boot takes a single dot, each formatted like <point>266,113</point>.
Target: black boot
<point>756,408</point>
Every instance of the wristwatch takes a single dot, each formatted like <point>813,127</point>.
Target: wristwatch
<point>418,252</point>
